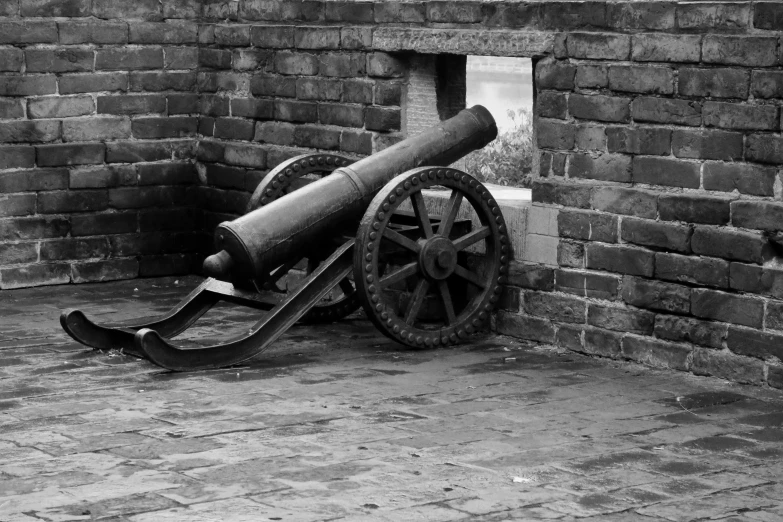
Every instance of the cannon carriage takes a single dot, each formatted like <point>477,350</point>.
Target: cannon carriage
<point>325,234</point>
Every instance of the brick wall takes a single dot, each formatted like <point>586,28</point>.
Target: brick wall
<point>657,213</point>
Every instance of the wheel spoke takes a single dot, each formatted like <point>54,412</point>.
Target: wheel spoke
<point>472,237</point>
<point>448,305</point>
<point>444,229</point>
<point>421,214</point>
<point>400,275</point>
<point>416,301</point>
<point>469,276</point>
<point>396,237</point>
<point>346,287</point>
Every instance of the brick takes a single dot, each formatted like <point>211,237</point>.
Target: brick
<point>33,227</point>
<point>555,135</point>
<point>357,91</point>
<point>713,16</point>
<point>314,89</point>
<point>740,117</point>
<point>82,154</point>
<point>146,196</point>
<point>569,337</point>
<point>71,248</point>
<point>639,140</point>
<point>169,264</point>
<point>128,59</point>
<point>316,37</point>
<point>59,60</point>
<point>342,65</point>
<point>449,13</point>
<point>385,65</point>
<point>552,105</point>
<point>388,93</point>
<point>632,202</point>
<point>245,155</point>
<point>18,253</point>
<point>136,151</point>
<point>595,46</point>
<point>590,137</point>
<point>587,284</point>
<point>351,12</point>
<point>182,103</point>
<point>252,108</point>
<point>535,277</point>
<point>555,307</point>
<point>232,35</point>
<point>764,148</point>
<point>214,58</point>
<point>570,253</point>
<point>273,36</point>
<point>131,104</point>
<point>27,85</point>
<point>275,132</point>
<point>214,105</point>
<point>294,63</point>
<point>234,129</point>
<point>768,15</point>
<point>60,106</point>
<point>555,75</point>
<point>181,9</point>
<point>727,366</point>
<point>684,329</point>
<point>304,112</point>
<point>399,12</point>
<point>226,177</point>
<point>767,84</point>
<point>104,223</point>
<point>524,327</point>
<point>599,108</point>
<point>181,58</point>
<point>591,226</point>
<point>665,48</point>
<point>774,316</point>
<point>656,353</point>
<point>656,234</point>
<point>692,269</point>
<point>139,10</point>
<point>35,275</point>
<point>382,119</point>
<point>620,259</point>
<point>261,85</point>
<point>94,129</point>
<point>661,110</point>
<point>100,177</point>
<point>717,83</point>
<point>758,215</point>
<point>592,76</point>
<point>641,79</point>
<point>316,137</point>
<point>167,174</point>
<point>656,295</point>
<point>729,308</point>
<point>50,8</point>
<point>72,201</point>
<point>620,319</point>
<point>109,270</point>
<point>731,244</point>
<point>574,15</point>
<point>223,81</point>
<point>606,167</point>
<point>33,180</point>
<point>747,51</point>
<point>77,32</point>
<point>561,194</point>
<point>11,60</point>
<point>27,32</point>
<point>602,342</point>
<point>171,127</point>
<point>356,141</point>
<point>17,204</point>
<point>664,171</point>
<point>70,84</point>
<point>16,157</point>
<point>355,38</point>
<point>743,177</point>
<point>757,280</point>
<point>29,131</point>
<point>170,219</point>
<point>694,209</point>
<point>707,144</point>
<point>641,15</point>
<point>158,81</point>
<point>12,108</point>
<point>552,164</point>
<point>342,115</point>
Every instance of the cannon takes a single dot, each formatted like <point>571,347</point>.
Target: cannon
<point>325,234</point>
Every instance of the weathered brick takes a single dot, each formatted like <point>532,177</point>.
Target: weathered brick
<point>17,157</point>
<point>167,264</point>
<point>400,12</point>
<point>11,60</point>
<point>718,83</point>
<point>95,129</point>
<point>602,342</point>
<point>748,51</point>
<point>656,234</point>
<point>357,91</point>
<point>555,135</point>
<point>245,155</point>
<point>653,352</point>
<point>764,148</point>
<point>691,269</point>
<point>211,105</point>
<point>275,132</point>
<point>262,85</point>
<point>659,47</point>
<point>731,244</point>
<point>171,127</point>
<point>27,32</point>
<point>24,131</point>
<point>100,177</point>
<point>251,108</point>
<point>159,81</point>
<point>450,13</point>
<point>590,137</point>
<point>316,137</point>
<point>356,141</point>
<point>356,37</point>
<point>707,144</point>
<point>741,117</point>
<point>641,15</point>
<point>774,316</point>
<point>592,76</point>
<point>596,46</point>
<point>188,9</point>
<point>685,329</point>
<point>18,253</point>
<point>599,107</point>
<point>555,75</point>
<point>727,366</point>
<point>137,151</point>
<point>626,201</point>
<point>342,65</point>
<point>729,308</point>
<point>60,106</point>
<point>182,103</point>
<point>273,36</point>
<point>27,85</point>
<point>342,115</point>
<point>570,253</point>
<point>170,219</point>
<point>661,110</point>
<point>70,84</point>
<point>743,177</point>
<point>569,337</point>
<point>35,275</point>
<point>767,84</point>
<point>555,307</point>
<point>591,226</point>
<point>664,171</point>
<point>756,279</point>
<point>574,15</point>
<point>167,174</point>
<point>295,111</point>
<point>17,204</point>
<point>758,215</point>
<point>316,89</point>
<point>146,196</point>
<point>561,194</point>
<point>524,327</point>
<point>72,201</point>
<point>71,248</point>
<point>606,167</point>
<point>12,108</point>
<point>587,284</point>
<point>694,209</point>
<point>620,319</point>
<point>656,295</point>
<point>67,154</point>
<point>186,58</point>
<point>109,270</point>
<point>351,12</point>
<point>620,259</point>
<point>232,35</point>
<point>62,8</point>
<point>128,59</point>
<point>138,10</point>
<point>295,63</point>
<point>713,16</point>
<point>385,65</point>
<point>214,58</point>
<point>131,104</point>
<point>768,15</point>
<point>639,140</point>
<point>641,79</point>
<point>38,227</point>
<point>234,129</point>
<point>388,93</point>
<point>226,177</point>
<point>382,119</point>
<point>78,32</point>
<point>33,180</point>
<point>535,277</point>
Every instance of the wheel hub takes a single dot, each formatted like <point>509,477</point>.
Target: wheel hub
<point>438,258</point>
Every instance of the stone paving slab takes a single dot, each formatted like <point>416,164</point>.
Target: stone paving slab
<point>336,422</point>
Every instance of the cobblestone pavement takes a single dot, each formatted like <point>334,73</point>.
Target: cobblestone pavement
<point>338,423</point>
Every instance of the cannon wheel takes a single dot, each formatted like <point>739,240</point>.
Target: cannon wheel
<point>283,179</point>
<point>433,267</point>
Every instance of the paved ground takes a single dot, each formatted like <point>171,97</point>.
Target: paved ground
<point>337,423</point>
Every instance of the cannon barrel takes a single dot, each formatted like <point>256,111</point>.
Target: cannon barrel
<point>287,228</point>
